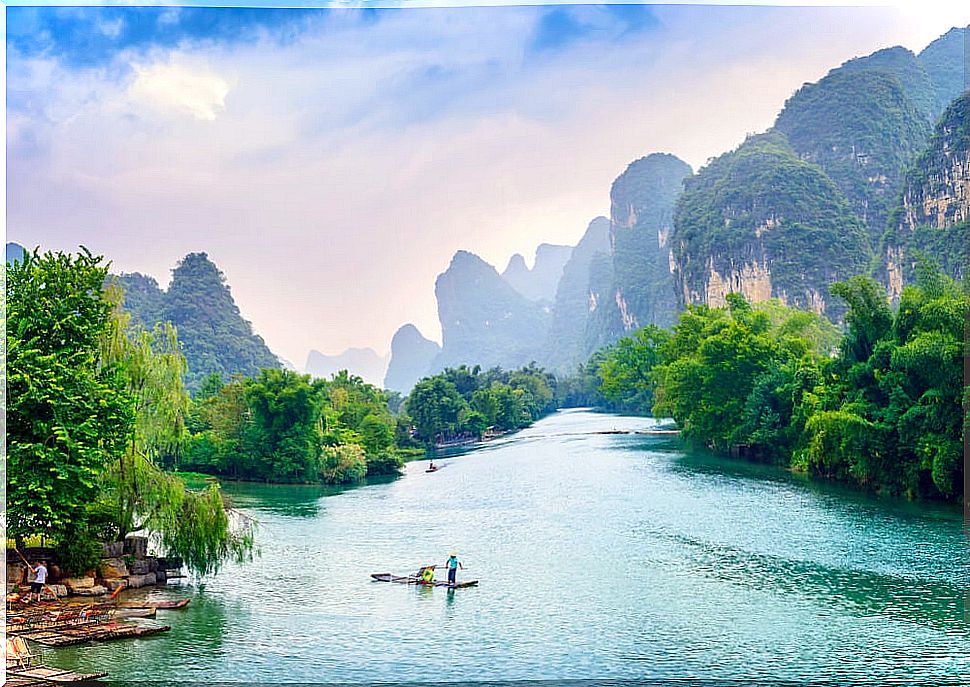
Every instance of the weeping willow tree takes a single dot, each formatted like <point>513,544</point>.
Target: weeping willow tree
<point>137,494</point>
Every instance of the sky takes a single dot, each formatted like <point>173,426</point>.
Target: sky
<point>331,161</point>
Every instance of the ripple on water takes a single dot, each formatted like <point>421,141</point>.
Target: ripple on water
<point>599,556</point>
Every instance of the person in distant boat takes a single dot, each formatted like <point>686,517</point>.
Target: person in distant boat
<point>427,574</point>
<point>453,564</point>
<point>40,579</point>
<point>431,465</point>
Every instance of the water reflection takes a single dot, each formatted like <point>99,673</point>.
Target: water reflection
<point>291,500</point>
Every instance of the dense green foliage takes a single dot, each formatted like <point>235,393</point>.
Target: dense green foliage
<point>96,405</point>
<point>463,403</point>
<point>761,204</point>
<point>881,407</point>
<point>907,69</point>
<point>859,126</point>
<point>68,417</point>
<point>286,427</point>
<point>214,336</point>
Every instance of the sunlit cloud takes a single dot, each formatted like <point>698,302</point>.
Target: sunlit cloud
<point>199,93</point>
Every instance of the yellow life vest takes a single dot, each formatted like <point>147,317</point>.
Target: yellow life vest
<point>427,574</point>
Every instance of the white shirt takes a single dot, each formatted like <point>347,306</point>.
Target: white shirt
<point>41,573</point>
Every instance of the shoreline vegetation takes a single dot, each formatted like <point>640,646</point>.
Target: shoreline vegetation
<point>100,421</point>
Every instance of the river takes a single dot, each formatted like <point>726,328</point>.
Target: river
<point>599,556</point>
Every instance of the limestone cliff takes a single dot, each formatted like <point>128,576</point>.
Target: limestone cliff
<point>762,222</point>
<point>484,320</point>
<point>932,216</point>
<point>641,290</point>
<point>575,303</point>
<point>411,359</point>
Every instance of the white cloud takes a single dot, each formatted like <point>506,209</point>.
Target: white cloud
<point>333,177</point>
<point>173,86</point>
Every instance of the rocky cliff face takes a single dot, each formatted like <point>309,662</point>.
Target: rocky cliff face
<point>484,320</point>
<point>411,358</point>
<point>641,292</point>
<point>932,216</point>
<point>862,128</point>
<point>539,283</point>
<point>575,302</point>
<point>761,222</point>
<point>362,362</point>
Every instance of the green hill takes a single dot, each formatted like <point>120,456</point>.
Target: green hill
<point>213,333</point>
<point>760,221</point>
<point>862,129</point>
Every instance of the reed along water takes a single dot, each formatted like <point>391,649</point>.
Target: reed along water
<point>599,556</point>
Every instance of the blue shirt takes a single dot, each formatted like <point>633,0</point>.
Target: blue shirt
<point>453,562</point>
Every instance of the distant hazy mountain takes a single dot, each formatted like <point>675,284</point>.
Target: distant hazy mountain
<point>539,283</point>
<point>363,362</point>
<point>484,320</point>
<point>568,343</point>
<point>213,333</point>
<point>944,61</point>
<point>15,252</point>
<point>411,358</point>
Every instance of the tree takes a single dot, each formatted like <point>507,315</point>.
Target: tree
<point>197,526</point>
<point>68,416</point>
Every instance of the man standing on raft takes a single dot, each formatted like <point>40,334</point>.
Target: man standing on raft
<point>453,564</point>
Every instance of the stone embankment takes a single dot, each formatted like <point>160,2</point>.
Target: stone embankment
<point>124,564</point>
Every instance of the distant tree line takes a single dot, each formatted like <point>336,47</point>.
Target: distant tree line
<point>463,402</point>
<point>282,426</point>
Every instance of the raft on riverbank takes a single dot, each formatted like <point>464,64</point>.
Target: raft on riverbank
<point>70,635</point>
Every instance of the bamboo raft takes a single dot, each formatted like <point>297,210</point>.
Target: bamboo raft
<point>93,632</point>
<point>416,580</point>
<point>42,675</point>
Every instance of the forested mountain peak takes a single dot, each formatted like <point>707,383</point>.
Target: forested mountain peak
<point>213,333</point>
<point>861,128</point>
<point>762,222</point>
<point>933,212</point>
<point>945,62</point>
<point>641,218</point>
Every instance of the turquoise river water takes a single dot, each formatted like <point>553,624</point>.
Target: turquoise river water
<point>599,556</point>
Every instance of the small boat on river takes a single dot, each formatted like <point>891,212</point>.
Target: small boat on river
<point>416,580</point>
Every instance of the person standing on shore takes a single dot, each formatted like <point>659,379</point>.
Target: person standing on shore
<point>40,579</point>
<point>453,564</point>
